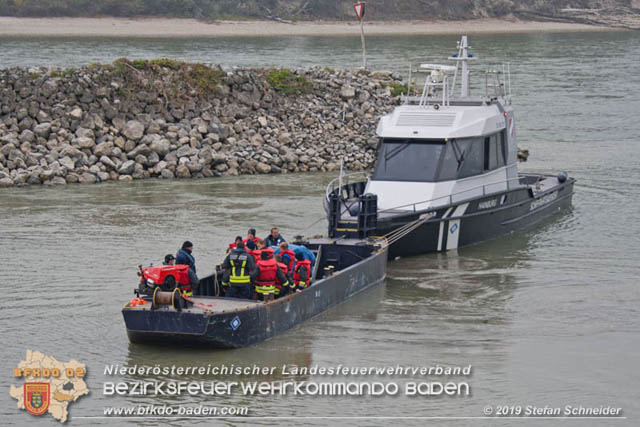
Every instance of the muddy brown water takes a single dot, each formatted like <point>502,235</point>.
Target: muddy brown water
<point>545,317</point>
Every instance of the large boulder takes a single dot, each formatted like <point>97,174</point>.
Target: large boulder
<point>140,149</point>
<point>381,74</point>
<point>84,132</point>
<point>263,168</point>
<point>67,162</point>
<point>186,151</point>
<point>284,138</point>
<point>27,136</point>
<point>58,180</point>
<point>152,159</point>
<point>166,174</point>
<point>76,113</point>
<point>182,171</point>
<point>127,167</point>
<point>87,178</point>
<point>161,147</point>
<point>85,142</point>
<point>107,162</point>
<point>134,130</point>
<point>347,92</point>
<point>43,130</point>
<point>103,149</point>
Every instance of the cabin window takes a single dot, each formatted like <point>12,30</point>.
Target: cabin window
<point>408,160</point>
<point>493,152</point>
<point>451,162</point>
<point>502,138</point>
<point>473,157</point>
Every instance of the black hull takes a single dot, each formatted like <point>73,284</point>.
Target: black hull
<point>258,321</point>
<point>470,222</point>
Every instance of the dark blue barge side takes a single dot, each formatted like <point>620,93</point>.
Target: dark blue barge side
<point>345,268</point>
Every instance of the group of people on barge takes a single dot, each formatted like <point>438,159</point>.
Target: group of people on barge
<point>254,268</point>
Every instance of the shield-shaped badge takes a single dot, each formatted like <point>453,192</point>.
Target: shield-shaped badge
<point>36,398</point>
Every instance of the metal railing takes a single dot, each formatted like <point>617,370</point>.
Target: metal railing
<point>332,185</point>
<point>448,198</point>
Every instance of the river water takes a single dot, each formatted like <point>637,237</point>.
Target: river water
<point>545,317</point>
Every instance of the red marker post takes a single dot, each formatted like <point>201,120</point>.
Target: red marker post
<point>359,9</point>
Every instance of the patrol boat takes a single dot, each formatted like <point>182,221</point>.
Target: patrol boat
<point>446,175</point>
<point>343,268</point>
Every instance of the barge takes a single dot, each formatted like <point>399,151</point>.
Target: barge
<point>343,268</point>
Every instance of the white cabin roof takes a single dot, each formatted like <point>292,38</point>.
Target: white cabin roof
<point>450,121</point>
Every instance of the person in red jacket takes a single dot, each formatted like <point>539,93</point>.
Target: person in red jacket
<point>233,245</point>
<point>251,242</point>
<point>302,272</point>
<point>288,256</point>
<point>282,288</point>
<point>268,276</point>
<point>262,247</point>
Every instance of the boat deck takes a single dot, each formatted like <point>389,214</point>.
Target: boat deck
<point>203,304</point>
<point>540,183</point>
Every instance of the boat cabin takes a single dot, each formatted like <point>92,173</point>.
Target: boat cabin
<point>440,147</point>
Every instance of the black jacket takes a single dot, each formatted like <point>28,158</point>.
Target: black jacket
<point>274,242</point>
<point>240,255</point>
<point>184,257</point>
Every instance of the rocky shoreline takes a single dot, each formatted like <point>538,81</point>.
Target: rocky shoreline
<point>165,119</point>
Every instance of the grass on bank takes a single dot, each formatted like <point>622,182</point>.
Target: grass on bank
<point>287,82</point>
<point>397,89</point>
<point>187,77</point>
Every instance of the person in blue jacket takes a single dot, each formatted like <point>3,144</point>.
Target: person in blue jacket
<point>274,239</point>
<point>185,257</point>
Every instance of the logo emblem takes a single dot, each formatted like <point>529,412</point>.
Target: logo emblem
<point>36,398</point>
<point>235,323</point>
<point>453,228</point>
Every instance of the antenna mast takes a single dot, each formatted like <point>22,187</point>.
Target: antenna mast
<point>462,57</point>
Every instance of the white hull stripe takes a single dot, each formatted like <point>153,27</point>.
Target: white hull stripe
<point>460,210</point>
<point>440,235</point>
<point>454,227</point>
<point>440,232</point>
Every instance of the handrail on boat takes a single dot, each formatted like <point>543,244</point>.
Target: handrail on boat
<point>332,185</point>
<point>450,196</point>
<point>331,188</point>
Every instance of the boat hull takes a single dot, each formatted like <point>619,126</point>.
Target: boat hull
<point>477,220</point>
<point>256,321</point>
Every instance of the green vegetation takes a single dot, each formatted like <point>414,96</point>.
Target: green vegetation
<point>183,80</point>
<point>171,64</point>
<point>397,89</point>
<point>287,82</point>
<point>139,64</point>
<point>64,73</point>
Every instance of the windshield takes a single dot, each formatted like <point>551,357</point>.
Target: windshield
<point>408,160</point>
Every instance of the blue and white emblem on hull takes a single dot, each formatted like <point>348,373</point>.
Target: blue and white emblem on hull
<point>235,323</point>
<point>453,226</point>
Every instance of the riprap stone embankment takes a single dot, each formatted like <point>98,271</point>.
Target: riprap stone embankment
<point>166,119</point>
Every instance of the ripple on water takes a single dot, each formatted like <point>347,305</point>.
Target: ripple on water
<point>550,314</point>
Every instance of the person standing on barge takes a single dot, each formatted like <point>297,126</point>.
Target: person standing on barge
<point>239,271</point>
